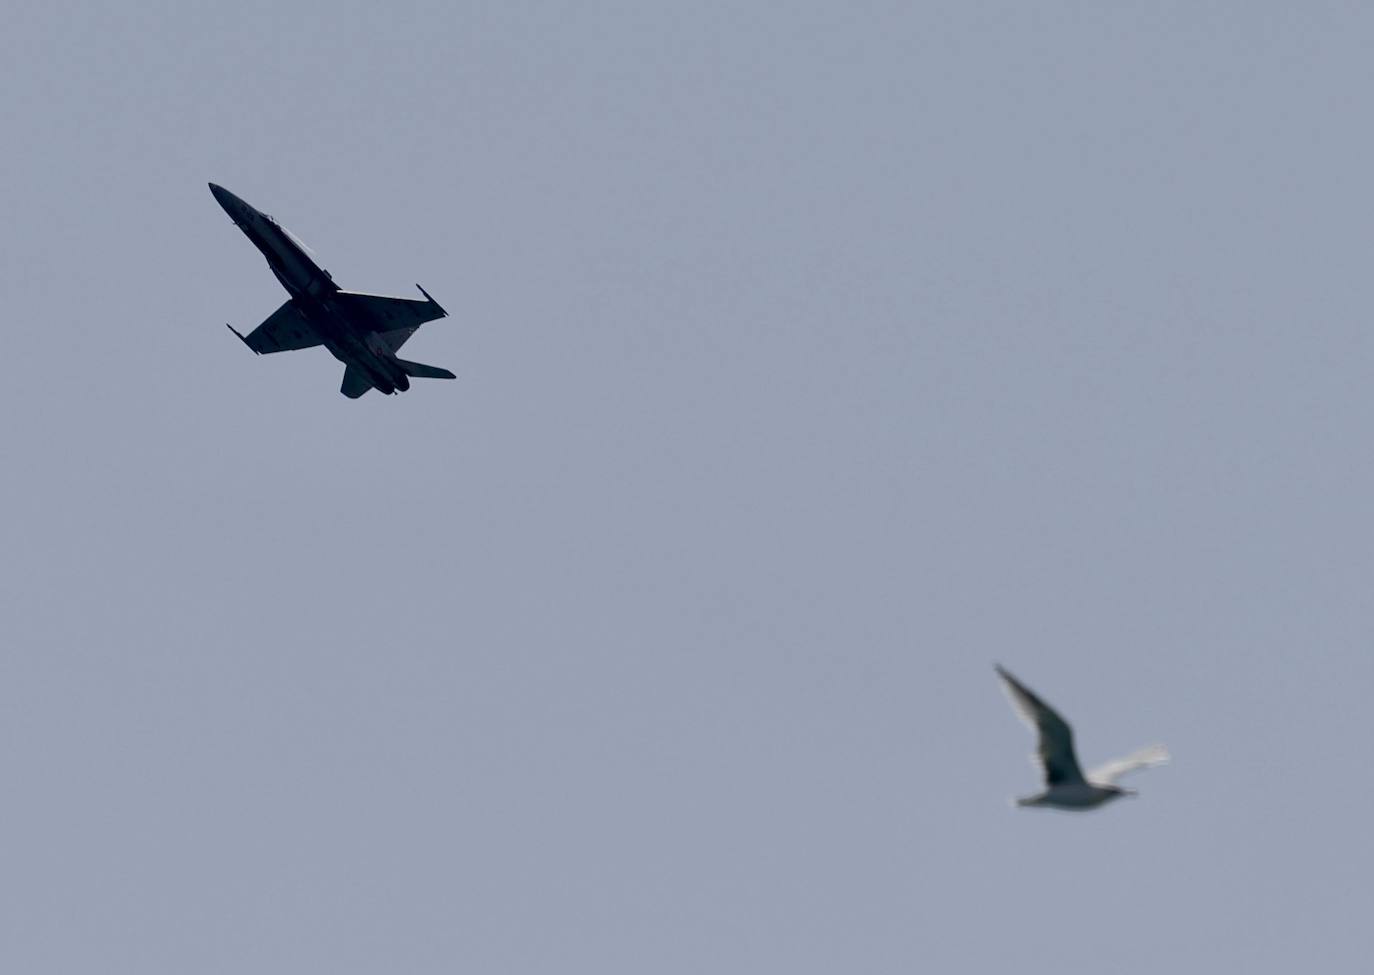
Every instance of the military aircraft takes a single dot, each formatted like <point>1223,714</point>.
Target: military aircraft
<point>362,331</point>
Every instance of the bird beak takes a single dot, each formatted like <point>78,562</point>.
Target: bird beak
<point>1129,793</point>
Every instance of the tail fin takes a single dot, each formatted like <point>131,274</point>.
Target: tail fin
<point>421,371</point>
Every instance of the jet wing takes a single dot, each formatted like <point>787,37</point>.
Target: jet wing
<point>284,329</point>
<point>379,313</point>
<point>397,337</point>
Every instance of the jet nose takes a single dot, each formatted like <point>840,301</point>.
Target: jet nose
<point>231,203</point>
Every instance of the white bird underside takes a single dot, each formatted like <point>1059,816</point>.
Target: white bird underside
<point>1066,787</point>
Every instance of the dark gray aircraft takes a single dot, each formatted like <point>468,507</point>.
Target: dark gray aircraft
<point>361,331</point>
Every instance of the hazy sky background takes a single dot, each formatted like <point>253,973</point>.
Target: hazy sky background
<point>812,357</point>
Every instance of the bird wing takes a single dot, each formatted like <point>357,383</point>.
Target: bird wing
<point>1056,737</point>
<point>1108,772</point>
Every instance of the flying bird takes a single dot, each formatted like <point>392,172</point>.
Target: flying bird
<point>1065,785</point>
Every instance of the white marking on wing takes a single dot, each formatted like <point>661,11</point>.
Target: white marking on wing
<point>1108,772</point>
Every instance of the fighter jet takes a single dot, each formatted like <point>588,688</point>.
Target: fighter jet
<point>362,331</point>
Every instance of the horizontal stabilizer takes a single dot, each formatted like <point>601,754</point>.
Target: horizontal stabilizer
<point>354,383</point>
<point>421,371</point>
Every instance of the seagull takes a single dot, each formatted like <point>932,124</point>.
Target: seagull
<point>1065,785</point>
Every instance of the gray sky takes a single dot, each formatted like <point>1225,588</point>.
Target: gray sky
<point>811,358</point>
